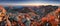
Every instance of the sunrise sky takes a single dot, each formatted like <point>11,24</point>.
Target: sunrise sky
<point>29,2</point>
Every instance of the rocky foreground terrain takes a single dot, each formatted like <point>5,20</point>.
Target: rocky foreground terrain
<point>30,16</point>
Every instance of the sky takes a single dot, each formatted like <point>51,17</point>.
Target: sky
<point>29,2</point>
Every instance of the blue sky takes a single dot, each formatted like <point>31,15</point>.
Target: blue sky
<point>29,2</point>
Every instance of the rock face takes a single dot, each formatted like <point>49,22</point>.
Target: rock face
<point>26,10</point>
<point>2,12</point>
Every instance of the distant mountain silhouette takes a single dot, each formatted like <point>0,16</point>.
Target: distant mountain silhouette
<point>42,10</point>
